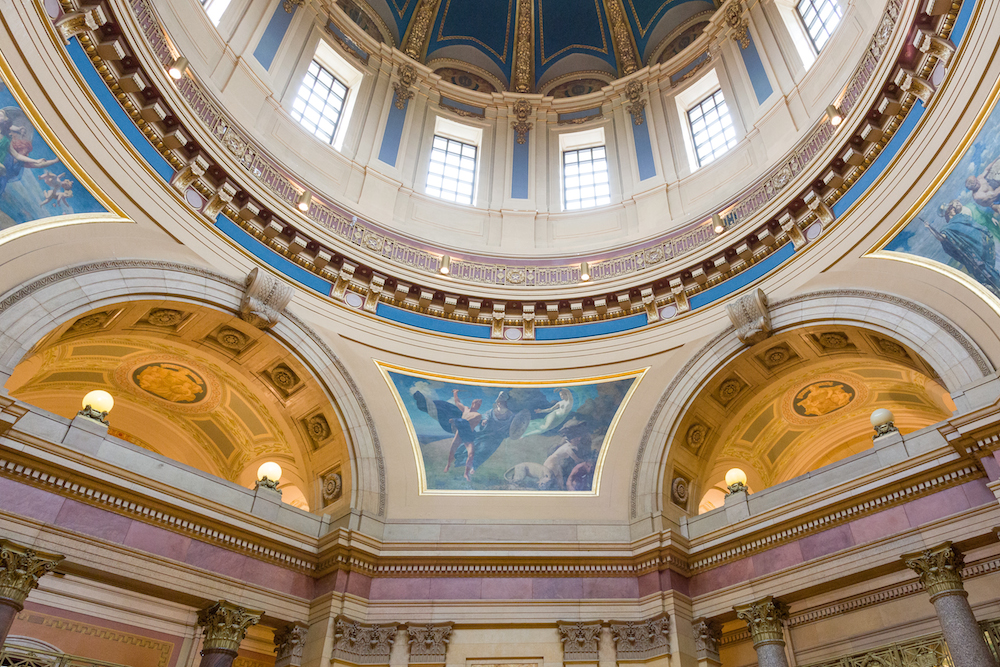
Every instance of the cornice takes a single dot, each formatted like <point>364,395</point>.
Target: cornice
<point>360,257</point>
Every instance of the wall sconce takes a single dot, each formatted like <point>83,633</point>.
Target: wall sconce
<point>717,224</point>
<point>833,113</point>
<point>303,201</point>
<point>97,404</point>
<point>445,267</point>
<point>584,271</point>
<point>177,67</point>
<point>268,475</point>
<point>736,481</point>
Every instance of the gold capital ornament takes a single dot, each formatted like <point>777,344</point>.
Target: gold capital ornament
<point>226,625</point>
<point>740,26</point>
<point>20,570</point>
<point>420,28</point>
<point>764,618</point>
<point>523,51</point>
<point>939,570</point>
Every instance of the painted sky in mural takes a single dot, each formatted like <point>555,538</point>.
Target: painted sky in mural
<point>34,184</point>
<point>477,437</point>
<point>960,224</point>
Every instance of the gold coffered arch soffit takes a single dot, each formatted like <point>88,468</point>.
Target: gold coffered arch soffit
<point>952,354</point>
<point>25,320</point>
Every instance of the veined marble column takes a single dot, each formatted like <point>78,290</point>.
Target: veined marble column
<point>940,572</point>
<point>764,619</point>
<point>20,569</point>
<point>225,626</point>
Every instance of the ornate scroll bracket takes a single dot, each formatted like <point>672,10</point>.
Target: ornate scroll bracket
<point>939,570</point>
<point>522,108</point>
<point>763,619</point>
<point>404,92</point>
<point>633,91</point>
<point>226,625</point>
<point>739,25</point>
<point>20,570</point>
<point>581,641</point>
<point>642,640</point>
<point>363,644</point>
<point>428,643</point>
<point>751,317</point>
<point>288,644</point>
<point>264,299</point>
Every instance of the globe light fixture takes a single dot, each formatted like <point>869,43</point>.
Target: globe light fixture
<point>268,474</point>
<point>736,480</point>
<point>304,200</point>
<point>177,67</point>
<point>445,267</point>
<point>882,422</point>
<point>833,113</point>
<point>97,404</point>
<point>717,224</point>
<point>584,271</point>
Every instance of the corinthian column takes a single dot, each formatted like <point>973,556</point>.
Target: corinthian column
<point>940,573</point>
<point>764,619</point>
<point>225,627</point>
<point>20,569</point>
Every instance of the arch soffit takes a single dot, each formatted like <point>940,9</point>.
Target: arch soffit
<point>30,311</point>
<point>949,351</point>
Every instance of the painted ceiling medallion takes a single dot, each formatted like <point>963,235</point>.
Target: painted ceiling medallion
<point>821,398</point>
<point>184,384</point>
<point>171,382</point>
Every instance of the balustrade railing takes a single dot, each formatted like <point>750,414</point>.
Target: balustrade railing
<point>20,656</point>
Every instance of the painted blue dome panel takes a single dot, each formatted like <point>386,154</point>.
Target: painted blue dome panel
<point>643,15</point>
<point>485,24</point>
<point>564,27</point>
<point>402,12</point>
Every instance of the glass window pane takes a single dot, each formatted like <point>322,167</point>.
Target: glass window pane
<point>583,168</point>
<point>319,102</point>
<point>711,127</point>
<point>452,170</point>
<point>820,18</point>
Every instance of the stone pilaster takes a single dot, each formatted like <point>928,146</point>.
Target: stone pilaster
<point>940,572</point>
<point>288,644</point>
<point>20,570</point>
<point>363,643</point>
<point>225,626</point>
<point>642,640</point>
<point>764,619</point>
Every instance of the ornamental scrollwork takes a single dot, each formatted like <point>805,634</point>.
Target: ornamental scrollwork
<point>740,26</point>
<point>226,625</point>
<point>633,92</point>
<point>289,642</point>
<point>20,570</point>
<point>523,53</point>
<point>522,108</point>
<point>403,87</point>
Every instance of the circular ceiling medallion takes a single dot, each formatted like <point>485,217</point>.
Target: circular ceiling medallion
<point>823,398</point>
<point>183,384</point>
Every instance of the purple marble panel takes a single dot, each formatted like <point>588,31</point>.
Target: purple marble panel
<point>671,581</point>
<point>879,525</point>
<point>722,576</point>
<point>216,559</point>
<point>557,588</point>
<point>826,542</point>
<point>268,575</point>
<point>93,521</point>
<point>649,583</point>
<point>610,587</point>
<point>979,493</point>
<point>506,588</point>
<point>29,501</point>
<point>358,584</point>
<point>777,558</point>
<point>303,586</point>
<point>157,541</point>
<point>936,506</point>
<point>401,588</point>
<point>457,588</point>
<point>327,584</point>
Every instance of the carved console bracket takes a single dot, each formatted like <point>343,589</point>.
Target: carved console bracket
<point>751,317</point>
<point>264,299</point>
<point>633,91</point>
<point>739,25</point>
<point>707,635</point>
<point>403,87</point>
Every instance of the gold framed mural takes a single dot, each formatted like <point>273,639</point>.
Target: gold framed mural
<point>41,185</point>
<point>954,227</point>
<point>506,437</point>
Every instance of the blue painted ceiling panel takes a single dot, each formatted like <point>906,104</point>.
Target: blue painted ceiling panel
<point>564,27</point>
<point>402,12</point>
<point>643,15</point>
<point>485,24</point>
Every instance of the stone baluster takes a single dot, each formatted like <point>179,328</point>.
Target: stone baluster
<point>20,569</point>
<point>764,618</point>
<point>940,573</point>
<point>225,627</point>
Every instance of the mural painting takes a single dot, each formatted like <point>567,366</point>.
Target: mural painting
<point>171,382</point>
<point>821,398</point>
<point>959,224</point>
<point>34,183</point>
<point>494,437</point>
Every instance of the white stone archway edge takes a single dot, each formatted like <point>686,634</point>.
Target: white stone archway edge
<point>35,308</point>
<point>962,365</point>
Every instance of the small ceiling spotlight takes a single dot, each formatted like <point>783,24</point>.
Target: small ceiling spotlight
<point>97,404</point>
<point>717,224</point>
<point>736,480</point>
<point>445,267</point>
<point>882,422</point>
<point>268,475</point>
<point>584,271</point>
<point>303,201</point>
<point>833,113</point>
<point>177,67</point>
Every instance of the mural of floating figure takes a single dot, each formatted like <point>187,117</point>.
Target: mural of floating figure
<point>15,147</point>
<point>554,415</point>
<point>985,188</point>
<point>969,244</point>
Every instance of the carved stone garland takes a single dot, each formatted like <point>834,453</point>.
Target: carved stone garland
<point>642,640</point>
<point>581,641</point>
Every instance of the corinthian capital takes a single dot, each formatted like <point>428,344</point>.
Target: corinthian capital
<point>20,569</point>
<point>226,625</point>
<point>764,619</point>
<point>939,570</point>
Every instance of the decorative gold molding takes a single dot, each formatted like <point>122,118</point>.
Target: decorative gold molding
<point>522,108</point>
<point>522,80</point>
<point>622,37</point>
<point>226,625</point>
<point>419,30</point>
<point>635,106</point>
